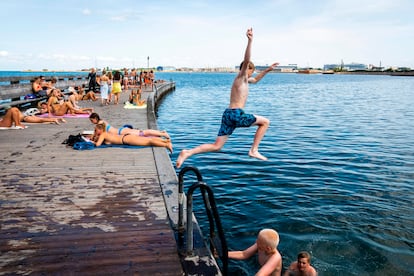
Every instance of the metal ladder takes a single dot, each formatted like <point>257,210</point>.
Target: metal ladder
<point>218,244</point>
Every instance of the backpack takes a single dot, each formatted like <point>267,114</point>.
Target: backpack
<point>72,139</point>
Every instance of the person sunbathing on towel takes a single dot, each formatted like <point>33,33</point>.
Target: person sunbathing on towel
<point>95,119</point>
<point>15,116</point>
<point>101,136</point>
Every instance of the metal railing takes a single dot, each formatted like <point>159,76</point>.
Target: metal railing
<point>218,248</point>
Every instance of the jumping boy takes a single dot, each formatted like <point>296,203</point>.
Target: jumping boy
<point>234,116</point>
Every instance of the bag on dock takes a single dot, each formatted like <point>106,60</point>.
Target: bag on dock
<point>72,139</point>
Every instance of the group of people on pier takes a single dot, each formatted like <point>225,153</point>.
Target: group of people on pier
<point>58,104</point>
<point>110,84</point>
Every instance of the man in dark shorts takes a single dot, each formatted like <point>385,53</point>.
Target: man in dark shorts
<point>234,116</point>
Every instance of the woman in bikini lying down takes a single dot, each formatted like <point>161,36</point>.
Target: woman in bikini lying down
<point>15,116</point>
<point>101,136</point>
<point>95,119</point>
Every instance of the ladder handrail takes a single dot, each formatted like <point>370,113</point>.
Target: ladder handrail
<point>181,193</point>
<point>212,213</point>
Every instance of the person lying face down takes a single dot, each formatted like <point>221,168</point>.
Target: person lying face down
<point>96,119</point>
<point>101,136</point>
<point>14,117</point>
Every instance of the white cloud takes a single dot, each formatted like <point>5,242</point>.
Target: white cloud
<point>4,53</point>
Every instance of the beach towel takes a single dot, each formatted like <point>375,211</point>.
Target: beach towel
<point>129,105</point>
<point>13,127</point>
<point>72,139</point>
<point>46,115</point>
<point>84,145</point>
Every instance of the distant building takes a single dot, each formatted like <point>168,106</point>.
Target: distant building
<point>347,67</point>
<point>279,68</point>
<point>286,68</point>
<point>166,68</point>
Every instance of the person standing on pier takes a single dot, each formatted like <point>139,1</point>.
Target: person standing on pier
<point>234,116</point>
<point>92,80</point>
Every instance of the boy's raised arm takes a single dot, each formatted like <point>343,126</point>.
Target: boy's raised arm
<point>263,73</point>
<point>247,53</point>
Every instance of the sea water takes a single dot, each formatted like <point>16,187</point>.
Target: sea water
<point>340,176</point>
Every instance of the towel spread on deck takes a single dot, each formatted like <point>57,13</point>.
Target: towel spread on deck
<point>46,115</point>
<point>84,145</point>
<point>129,105</point>
<point>13,127</point>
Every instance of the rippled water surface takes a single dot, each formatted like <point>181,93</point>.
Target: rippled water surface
<point>340,174</point>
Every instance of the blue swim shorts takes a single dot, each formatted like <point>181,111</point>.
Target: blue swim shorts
<point>233,118</point>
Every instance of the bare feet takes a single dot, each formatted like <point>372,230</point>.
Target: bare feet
<point>62,120</point>
<point>165,134</point>
<point>256,154</point>
<point>170,146</point>
<point>184,154</point>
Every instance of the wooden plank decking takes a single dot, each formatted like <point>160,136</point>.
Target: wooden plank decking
<point>91,212</point>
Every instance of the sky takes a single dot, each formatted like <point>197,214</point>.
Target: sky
<point>79,34</point>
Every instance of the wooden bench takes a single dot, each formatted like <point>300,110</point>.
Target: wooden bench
<point>14,89</point>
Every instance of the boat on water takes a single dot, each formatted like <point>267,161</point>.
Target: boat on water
<point>309,71</point>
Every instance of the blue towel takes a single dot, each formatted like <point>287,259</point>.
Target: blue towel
<point>84,145</point>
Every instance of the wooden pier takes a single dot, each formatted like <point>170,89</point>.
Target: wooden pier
<point>88,212</point>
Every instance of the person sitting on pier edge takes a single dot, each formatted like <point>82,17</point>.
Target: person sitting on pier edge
<point>73,99</point>
<point>95,119</point>
<point>42,107</point>
<point>37,87</point>
<point>46,85</point>
<point>101,136</point>
<point>85,96</point>
<point>15,116</point>
<point>301,267</point>
<point>268,255</point>
<point>135,97</point>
